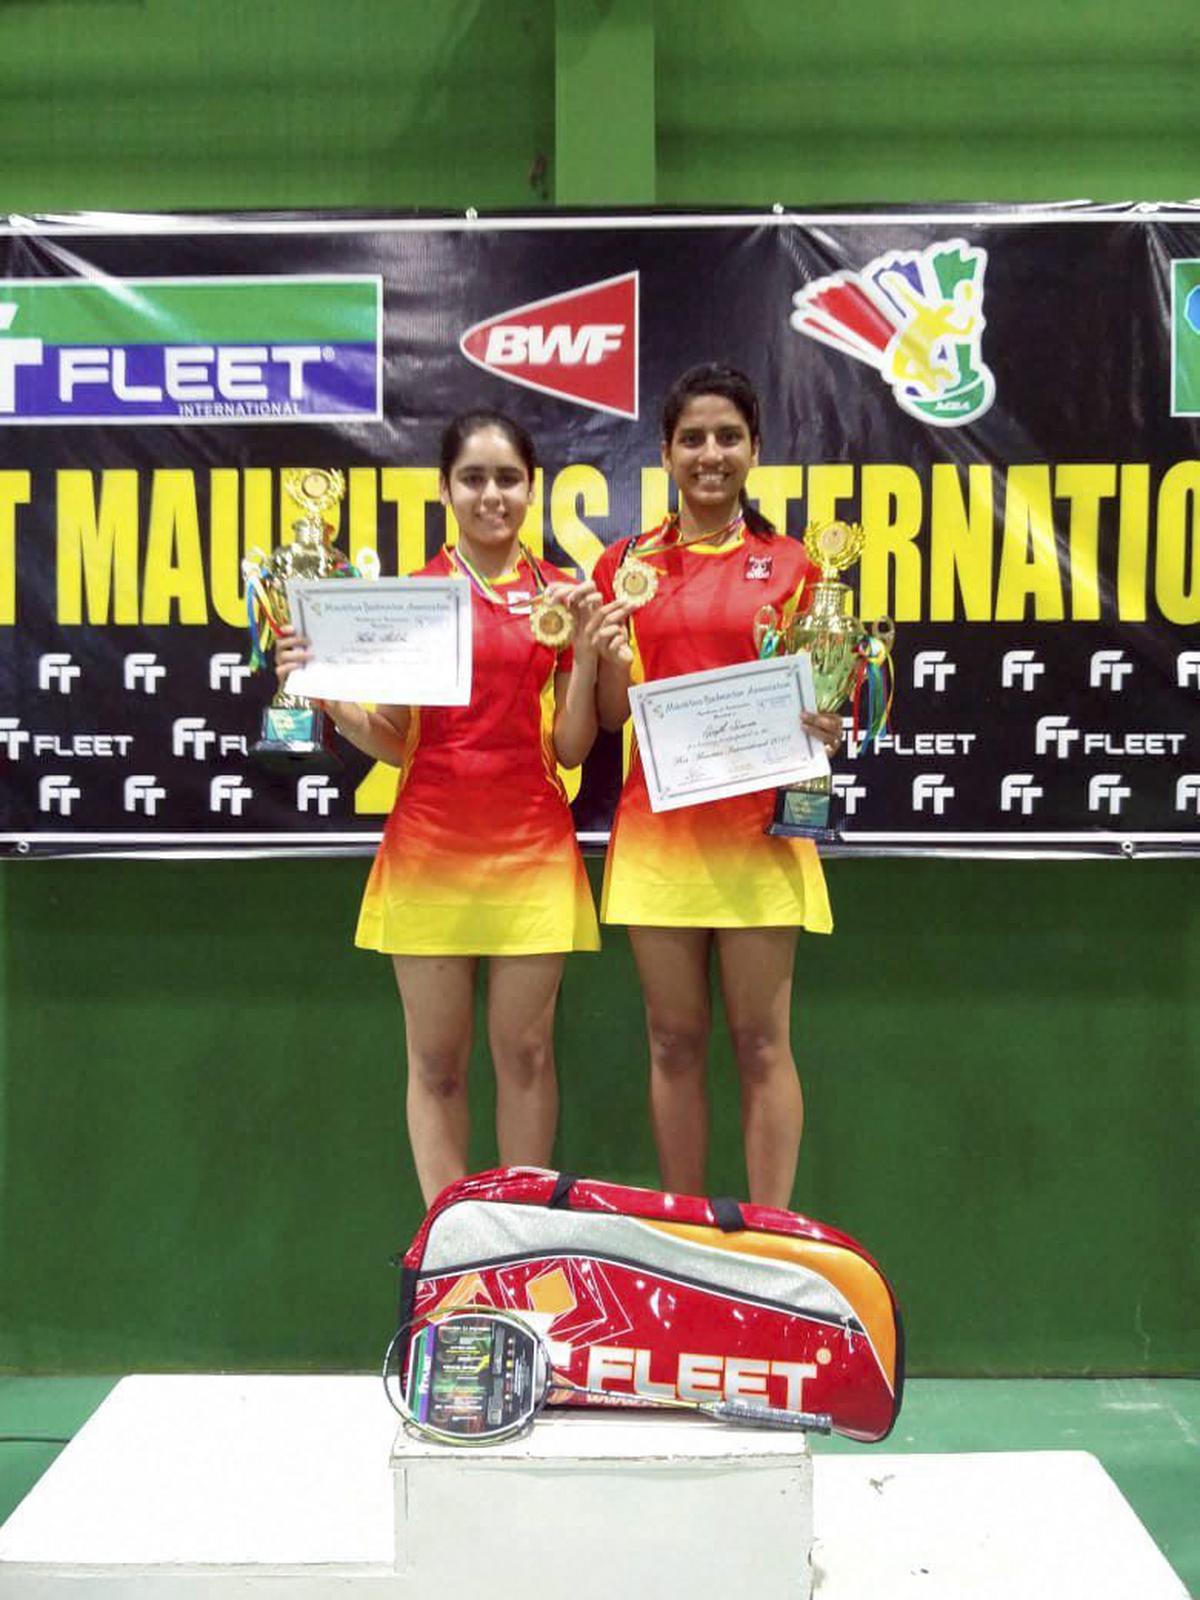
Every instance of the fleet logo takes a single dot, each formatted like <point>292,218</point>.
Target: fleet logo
<point>192,736</point>
<point>208,350</point>
<point>57,671</point>
<point>56,792</point>
<point>1020,668</point>
<point>933,664</point>
<point>931,787</point>
<point>1185,338</point>
<point>227,668</point>
<point>581,345</point>
<point>1187,792</point>
<point>314,789</point>
<point>13,737</point>
<point>1055,733</point>
<point>1107,790</point>
<point>227,791</point>
<point>916,316</point>
<point>142,792</point>
<point>848,792</point>
<point>142,670</point>
<point>1187,669</point>
<point>1109,667</point>
<point>1018,791</point>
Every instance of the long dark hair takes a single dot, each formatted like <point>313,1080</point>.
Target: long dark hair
<point>459,429</point>
<point>728,383</point>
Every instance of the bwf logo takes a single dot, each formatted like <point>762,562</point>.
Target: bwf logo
<point>1109,667</point>
<point>56,792</point>
<point>581,345</point>
<point>142,792</point>
<point>932,665</point>
<point>57,671</point>
<point>1106,791</point>
<point>314,789</point>
<point>1020,668</point>
<point>142,671</point>
<point>1018,792</point>
<point>1055,733</point>
<point>931,787</point>
<point>227,792</point>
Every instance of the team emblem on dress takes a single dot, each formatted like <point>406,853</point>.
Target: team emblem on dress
<point>759,566</point>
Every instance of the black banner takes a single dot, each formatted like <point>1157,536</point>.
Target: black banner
<point>1008,401</point>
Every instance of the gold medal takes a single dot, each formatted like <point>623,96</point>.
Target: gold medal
<point>635,583</point>
<point>552,624</point>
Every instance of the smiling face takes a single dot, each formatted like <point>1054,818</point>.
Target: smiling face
<point>709,456</point>
<point>489,490</point>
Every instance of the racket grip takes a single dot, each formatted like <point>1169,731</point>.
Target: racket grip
<point>768,1417</point>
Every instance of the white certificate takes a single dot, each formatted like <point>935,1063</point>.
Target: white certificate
<point>384,641</point>
<point>708,735</point>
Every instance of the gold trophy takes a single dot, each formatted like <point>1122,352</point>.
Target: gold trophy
<point>296,733</point>
<point>848,657</point>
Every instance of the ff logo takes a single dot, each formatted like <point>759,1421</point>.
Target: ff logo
<point>916,316</point>
<point>1020,666</point>
<point>227,668</point>
<point>228,790</point>
<point>143,668</point>
<point>142,792</point>
<point>1106,788</point>
<point>848,792</point>
<point>1187,792</point>
<point>191,736</point>
<point>57,670</point>
<point>581,345</point>
<point>12,737</point>
<point>931,786</point>
<point>933,664</point>
<point>315,789</point>
<point>1018,790</point>
<point>1111,667</point>
<point>56,792</point>
<point>1056,732</point>
<point>1187,669</point>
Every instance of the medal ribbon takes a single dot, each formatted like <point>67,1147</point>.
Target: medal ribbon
<point>670,538</point>
<point>484,587</point>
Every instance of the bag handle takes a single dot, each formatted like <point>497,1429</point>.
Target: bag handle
<point>560,1199</point>
<point>727,1214</point>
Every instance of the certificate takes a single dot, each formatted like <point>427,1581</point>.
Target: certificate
<point>708,735</point>
<point>384,641</point>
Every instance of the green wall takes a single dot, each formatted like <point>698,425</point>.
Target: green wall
<point>202,1160</point>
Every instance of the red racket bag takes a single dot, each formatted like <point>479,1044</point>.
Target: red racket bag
<point>667,1295</point>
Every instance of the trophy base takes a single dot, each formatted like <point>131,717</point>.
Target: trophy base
<point>296,737</point>
<point>805,811</point>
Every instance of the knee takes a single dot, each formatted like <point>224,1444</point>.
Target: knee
<point>523,1064</point>
<point>761,1053</point>
<point>440,1073</point>
<point>678,1049</point>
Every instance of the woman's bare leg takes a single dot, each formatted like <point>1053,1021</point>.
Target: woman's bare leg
<point>438,994</point>
<point>521,995</point>
<point>756,967</point>
<point>673,966</point>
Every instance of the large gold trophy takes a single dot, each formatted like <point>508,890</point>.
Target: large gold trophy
<point>850,659</point>
<point>296,733</point>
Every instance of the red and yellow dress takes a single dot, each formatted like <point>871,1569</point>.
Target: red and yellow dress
<point>711,865</point>
<point>479,855</point>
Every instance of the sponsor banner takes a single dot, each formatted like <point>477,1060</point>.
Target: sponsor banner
<point>1010,402</point>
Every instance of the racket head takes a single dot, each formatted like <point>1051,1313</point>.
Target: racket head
<point>474,1377</point>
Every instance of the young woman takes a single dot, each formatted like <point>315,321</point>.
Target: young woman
<point>708,876</point>
<point>478,857</point>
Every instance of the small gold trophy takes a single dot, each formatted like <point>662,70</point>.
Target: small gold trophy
<point>295,733</point>
<point>848,657</point>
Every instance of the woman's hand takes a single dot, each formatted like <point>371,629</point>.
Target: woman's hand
<point>581,600</point>
<point>607,630</point>
<point>825,726</point>
<point>292,651</point>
